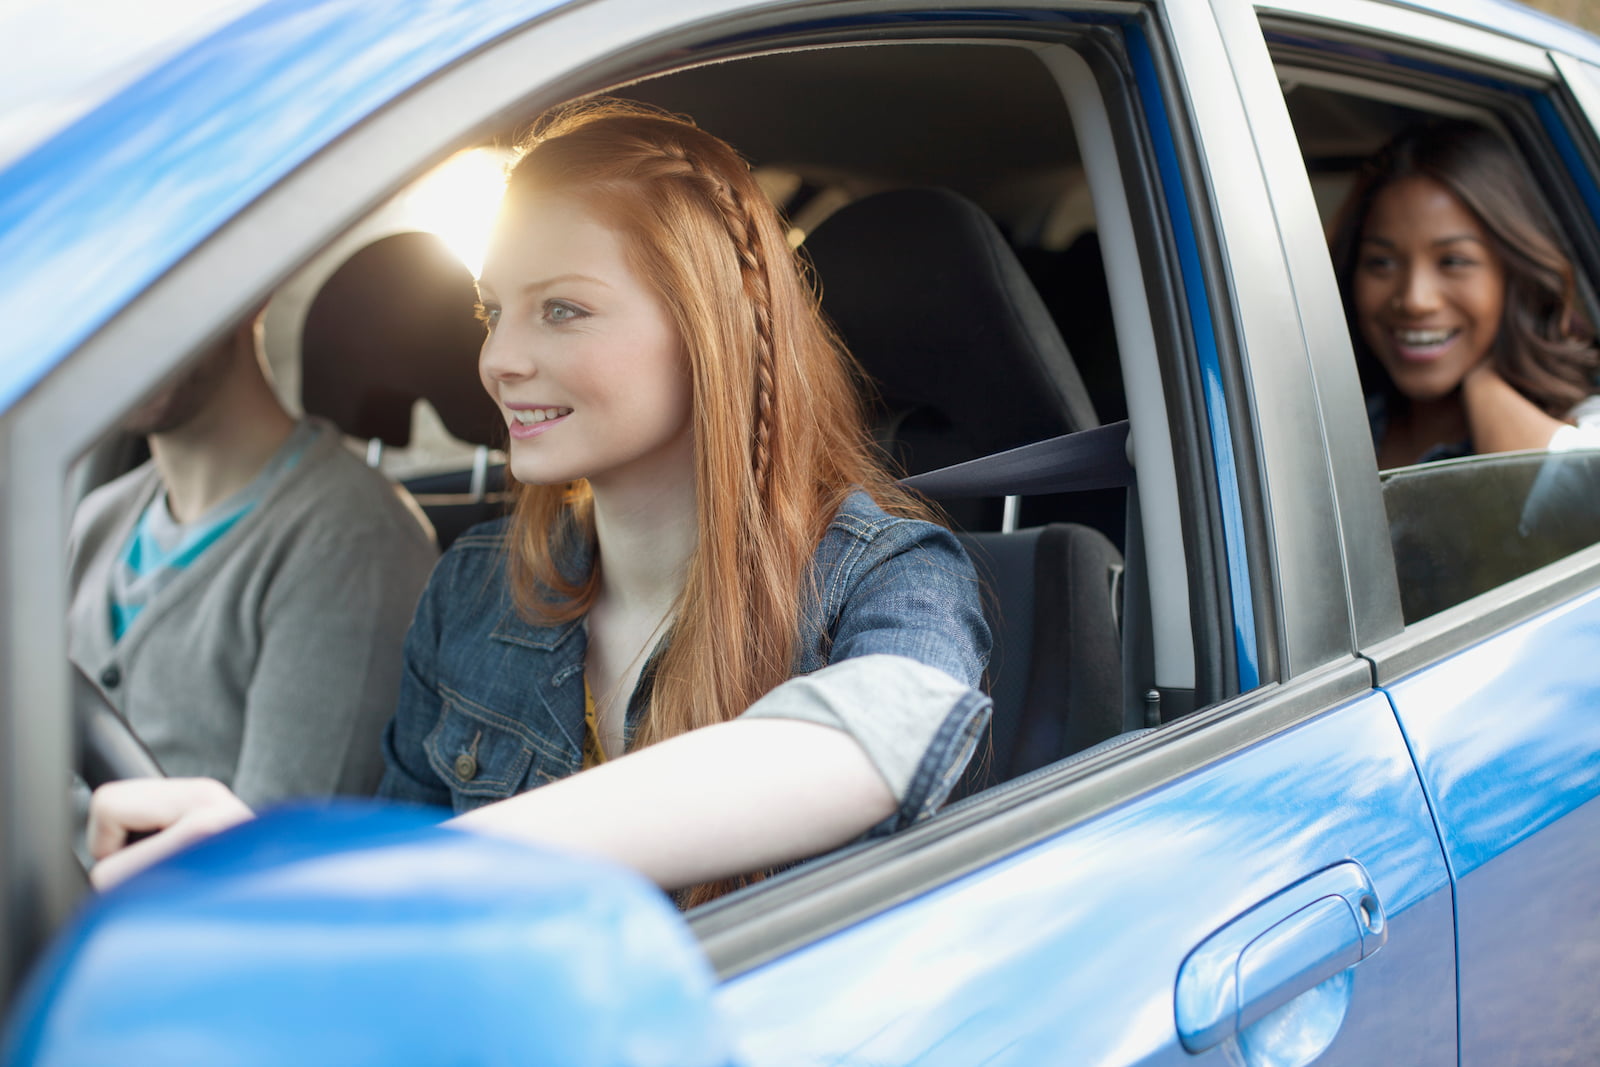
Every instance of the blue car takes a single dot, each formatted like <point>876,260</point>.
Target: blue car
<point>1294,759</point>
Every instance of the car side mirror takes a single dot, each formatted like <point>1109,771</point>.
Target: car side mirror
<point>362,933</point>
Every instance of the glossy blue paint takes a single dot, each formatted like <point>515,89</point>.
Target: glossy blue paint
<point>1507,741</point>
<point>1198,300</point>
<point>1276,951</point>
<point>1069,952</point>
<point>94,215</point>
<point>364,934</point>
<point>1300,1031</point>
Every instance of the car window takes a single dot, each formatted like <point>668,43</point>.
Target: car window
<point>859,196</point>
<point>1460,524</point>
<point>1129,624</point>
<point>1076,155</point>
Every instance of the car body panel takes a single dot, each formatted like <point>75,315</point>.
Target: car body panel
<point>91,217</point>
<point>1071,946</point>
<point>1507,741</point>
<point>316,927</point>
<point>60,61</point>
<point>1070,951</point>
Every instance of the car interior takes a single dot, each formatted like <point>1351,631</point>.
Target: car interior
<point>932,256</point>
<point>938,190</point>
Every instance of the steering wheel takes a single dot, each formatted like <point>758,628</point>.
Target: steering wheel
<point>108,749</point>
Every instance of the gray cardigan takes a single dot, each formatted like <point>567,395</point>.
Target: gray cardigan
<point>272,663</point>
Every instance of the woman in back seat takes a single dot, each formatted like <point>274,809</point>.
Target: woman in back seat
<point>711,598</point>
<point>1463,308</point>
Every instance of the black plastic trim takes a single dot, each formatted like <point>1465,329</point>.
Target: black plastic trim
<point>1440,636</point>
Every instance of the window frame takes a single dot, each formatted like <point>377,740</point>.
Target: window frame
<point>1521,87</point>
<point>598,44</point>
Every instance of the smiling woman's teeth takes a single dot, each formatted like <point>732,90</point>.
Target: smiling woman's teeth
<point>531,416</point>
<point>1423,338</point>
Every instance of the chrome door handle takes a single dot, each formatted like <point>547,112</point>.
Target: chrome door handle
<point>1287,944</point>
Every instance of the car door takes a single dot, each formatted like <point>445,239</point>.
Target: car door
<point>1256,871</point>
<point>1218,887</point>
<point>1494,679</point>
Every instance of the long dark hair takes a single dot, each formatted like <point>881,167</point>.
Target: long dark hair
<point>1545,345</point>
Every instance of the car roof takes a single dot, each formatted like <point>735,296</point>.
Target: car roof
<point>160,134</point>
<point>92,215</point>
<point>58,61</point>
<point>1515,20</point>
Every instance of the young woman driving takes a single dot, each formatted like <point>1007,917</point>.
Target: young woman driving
<point>710,597</point>
<point>1464,309</point>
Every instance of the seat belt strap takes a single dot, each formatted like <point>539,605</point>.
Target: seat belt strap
<point>1073,462</point>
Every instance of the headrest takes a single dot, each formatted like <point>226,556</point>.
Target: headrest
<point>931,300</point>
<point>391,326</point>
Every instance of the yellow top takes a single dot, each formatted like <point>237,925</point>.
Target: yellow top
<point>594,753</point>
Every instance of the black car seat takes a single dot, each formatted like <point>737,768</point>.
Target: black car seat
<point>394,325</point>
<point>930,298</point>
<point>1055,672</point>
<point>966,359</point>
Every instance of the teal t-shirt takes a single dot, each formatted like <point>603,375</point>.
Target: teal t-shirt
<point>160,547</point>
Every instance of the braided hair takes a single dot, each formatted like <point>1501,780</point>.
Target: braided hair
<point>780,435</point>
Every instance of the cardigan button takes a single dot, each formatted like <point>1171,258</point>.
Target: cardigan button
<point>466,767</point>
<point>111,677</point>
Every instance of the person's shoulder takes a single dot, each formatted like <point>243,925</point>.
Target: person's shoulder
<point>116,500</point>
<point>470,578</point>
<point>330,486</point>
<point>130,485</point>
<point>861,517</point>
<point>491,537</point>
<point>863,534</point>
<point>1587,411</point>
<point>328,469</point>
<point>480,551</point>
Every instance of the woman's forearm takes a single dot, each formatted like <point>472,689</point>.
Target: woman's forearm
<point>1501,419</point>
<point>719,801</point>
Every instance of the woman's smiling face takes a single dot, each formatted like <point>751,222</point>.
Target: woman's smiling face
<point>1429,287</point>
<point>582,356</point>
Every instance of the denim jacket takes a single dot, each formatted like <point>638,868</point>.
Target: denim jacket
<point>491,705</point>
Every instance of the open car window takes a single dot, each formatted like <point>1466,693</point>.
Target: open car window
<point>1193,742</point>
<point>1468,525</point>
<point>1061,190</point>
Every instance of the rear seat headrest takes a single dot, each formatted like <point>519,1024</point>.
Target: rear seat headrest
<point>394,324</point>
<point>932,301</point>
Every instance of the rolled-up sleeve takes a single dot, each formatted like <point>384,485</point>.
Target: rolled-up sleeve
<point>905,652</point>
<point>917,725</point>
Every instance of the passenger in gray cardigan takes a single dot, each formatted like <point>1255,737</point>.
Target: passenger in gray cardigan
<point>242,597</point>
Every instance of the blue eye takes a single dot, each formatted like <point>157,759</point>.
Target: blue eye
<point>487,314</point>
<point>559,311</point>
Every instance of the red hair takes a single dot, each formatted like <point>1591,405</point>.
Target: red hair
<point>780,435</point>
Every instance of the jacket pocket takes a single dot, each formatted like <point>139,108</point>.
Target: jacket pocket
<point>481,755</point>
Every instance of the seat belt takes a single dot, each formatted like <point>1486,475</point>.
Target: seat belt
<point>1073,462</point>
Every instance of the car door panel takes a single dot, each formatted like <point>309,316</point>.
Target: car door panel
<point>1507,741</point>
<point>1071,950</point>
